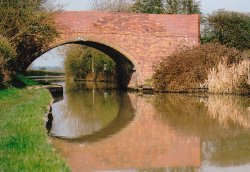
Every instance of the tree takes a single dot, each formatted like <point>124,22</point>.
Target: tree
<point>112,5</point>
<point>149,6</point>
<point>29,26</point>
<point>190,7</point>
<point>167,6</point>
<point>78,62</point>
<point>182,7</point>
<point>172,6</point>
<point>228,28</point>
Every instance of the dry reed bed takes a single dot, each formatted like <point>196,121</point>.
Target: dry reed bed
<point>234,79</point>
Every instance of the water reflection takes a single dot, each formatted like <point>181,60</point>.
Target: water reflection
<point>232,113</point>
<point>169,132</point>
<point>221,122</point>
<point>123,118</point>
<point>86,112</point>
<point>144,143</point>
<point>235,111</point>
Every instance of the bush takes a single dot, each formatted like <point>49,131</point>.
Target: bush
<point>20,81</point>
<point>233,79</point>
<point>7,55</point>
<point>188,67</point>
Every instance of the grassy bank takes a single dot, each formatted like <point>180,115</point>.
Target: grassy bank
<point>24,144</point>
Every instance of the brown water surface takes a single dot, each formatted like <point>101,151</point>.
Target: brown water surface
<point>97,128</point>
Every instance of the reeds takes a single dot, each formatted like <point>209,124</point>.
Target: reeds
<point>234,79</point>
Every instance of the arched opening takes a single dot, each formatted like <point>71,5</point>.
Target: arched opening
<point>126,66</point>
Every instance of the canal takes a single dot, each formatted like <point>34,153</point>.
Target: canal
<point>98,128</point>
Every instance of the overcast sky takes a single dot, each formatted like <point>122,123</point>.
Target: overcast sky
<point>207,6</point>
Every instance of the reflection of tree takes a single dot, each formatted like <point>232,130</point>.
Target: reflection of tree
<point>123,118</point>
<point>93,105</point>
<point>229,109</point>
<point>103,86</point>
<point>97,105</point>
<point>90,112</point>
<point>187,113</point>
<point>228,151</point>
<point>220,121</point>
<point>83,112</point>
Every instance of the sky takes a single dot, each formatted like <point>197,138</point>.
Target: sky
<point>206,5</point>
<point>53,58</point>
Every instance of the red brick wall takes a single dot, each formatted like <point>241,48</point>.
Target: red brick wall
<point>143,38</point>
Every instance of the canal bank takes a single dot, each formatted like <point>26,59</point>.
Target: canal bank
<point>24,144</point>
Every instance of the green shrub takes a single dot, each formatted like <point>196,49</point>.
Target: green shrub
<point>7,55</point>
<point>188,67</point>
<point>21,81</point>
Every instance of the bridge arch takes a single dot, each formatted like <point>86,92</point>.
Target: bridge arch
<point>127,66</point>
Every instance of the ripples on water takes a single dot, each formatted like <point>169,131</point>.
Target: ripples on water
<point>97,128</point>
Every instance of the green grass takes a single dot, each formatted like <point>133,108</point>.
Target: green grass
<point>23,140</point>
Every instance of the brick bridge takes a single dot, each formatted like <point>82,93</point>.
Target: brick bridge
<point>136,42</point>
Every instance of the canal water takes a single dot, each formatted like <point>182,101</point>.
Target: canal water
<point>98,128</point>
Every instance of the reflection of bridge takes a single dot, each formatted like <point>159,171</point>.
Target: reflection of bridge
<point>146,142</point>
<point>135,41</point>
